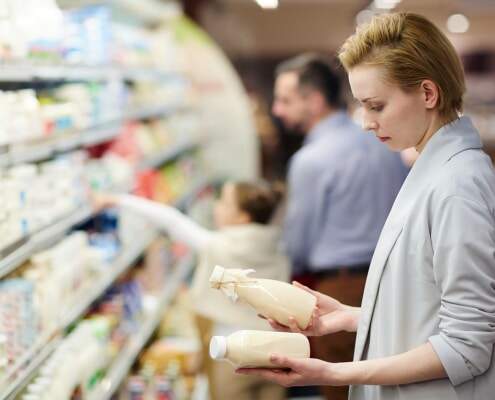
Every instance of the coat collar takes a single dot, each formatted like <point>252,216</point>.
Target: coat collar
<point>446,143</point>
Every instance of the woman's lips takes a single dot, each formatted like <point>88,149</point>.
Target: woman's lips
<point>383,138</point>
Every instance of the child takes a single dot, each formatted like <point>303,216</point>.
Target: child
<point>244,239</point>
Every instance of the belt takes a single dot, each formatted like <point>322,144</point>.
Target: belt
<point>342,271</point>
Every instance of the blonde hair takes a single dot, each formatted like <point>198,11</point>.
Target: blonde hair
<point>411,49</point>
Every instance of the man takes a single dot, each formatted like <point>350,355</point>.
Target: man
<point>342,184</point>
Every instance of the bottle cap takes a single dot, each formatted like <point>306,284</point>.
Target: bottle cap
<point>218,347</point>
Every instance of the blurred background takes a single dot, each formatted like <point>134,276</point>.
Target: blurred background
<point>165,99</point>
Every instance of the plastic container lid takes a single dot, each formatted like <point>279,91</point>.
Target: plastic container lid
<point>218,347</point>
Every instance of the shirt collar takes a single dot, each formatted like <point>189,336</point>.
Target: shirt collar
<point>326,125</point>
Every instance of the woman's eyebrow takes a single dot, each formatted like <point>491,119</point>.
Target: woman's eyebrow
<point>367,99</point>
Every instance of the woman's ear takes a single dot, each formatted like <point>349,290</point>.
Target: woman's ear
<point>431,94</point>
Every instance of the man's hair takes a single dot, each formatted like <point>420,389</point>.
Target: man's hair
<point>314,71</point>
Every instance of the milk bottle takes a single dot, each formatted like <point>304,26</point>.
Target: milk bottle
<point>270,298</point>
<point>252,349</point>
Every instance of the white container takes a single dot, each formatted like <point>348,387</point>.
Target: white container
<point>252,349</point>
<point>273,299</point>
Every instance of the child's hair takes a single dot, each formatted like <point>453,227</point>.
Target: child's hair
<point>259,199</point>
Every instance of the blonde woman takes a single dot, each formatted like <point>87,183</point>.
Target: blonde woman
<point>426,326</point>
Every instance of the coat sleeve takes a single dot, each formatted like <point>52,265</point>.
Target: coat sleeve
<point>178,225</point>
<point>463,240</point>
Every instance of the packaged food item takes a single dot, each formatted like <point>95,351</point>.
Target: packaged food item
<point>252,349</point>
<point>270,298</point>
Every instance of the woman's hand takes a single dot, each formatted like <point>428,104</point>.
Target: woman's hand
<point>329,316</point>
<point>295,372</point>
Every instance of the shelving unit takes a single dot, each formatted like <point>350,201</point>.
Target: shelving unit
<point>42,239</point>
<point>18,72</point>
<point>96,135</point>
<point>40,76</point>
<point>169,154</point>
<point>123,363</point>
<point>10,260</point>
<point>24,370</point>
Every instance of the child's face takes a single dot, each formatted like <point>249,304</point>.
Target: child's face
<point>227,212</point>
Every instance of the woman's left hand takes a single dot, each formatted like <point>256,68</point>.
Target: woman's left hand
<point>295,372</point>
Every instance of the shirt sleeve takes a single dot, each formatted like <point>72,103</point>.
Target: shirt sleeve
<point>179,226</point>
<point>302,211</point>
<point>463,239</point>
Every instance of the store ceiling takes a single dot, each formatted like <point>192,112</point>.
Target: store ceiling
<point>243,29</point>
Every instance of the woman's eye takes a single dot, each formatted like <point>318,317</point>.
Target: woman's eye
<point>376,108</point>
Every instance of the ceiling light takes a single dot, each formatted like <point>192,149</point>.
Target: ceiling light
<point>386,4</point>
<point>267,3</point>
<point>364,16</point>
<point>457,23</point>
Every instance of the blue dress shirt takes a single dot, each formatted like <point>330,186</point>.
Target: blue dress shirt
<point>342,184</point>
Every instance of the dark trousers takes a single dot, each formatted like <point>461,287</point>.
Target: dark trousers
<point>347,286</point>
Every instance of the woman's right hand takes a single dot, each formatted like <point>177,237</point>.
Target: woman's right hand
<point>329,316</point>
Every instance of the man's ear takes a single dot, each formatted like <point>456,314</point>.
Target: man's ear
<point>316,100</point>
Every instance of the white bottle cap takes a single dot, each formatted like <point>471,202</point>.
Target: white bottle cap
<point>218,347</point>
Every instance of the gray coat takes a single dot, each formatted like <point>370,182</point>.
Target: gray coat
<point>432,277</point>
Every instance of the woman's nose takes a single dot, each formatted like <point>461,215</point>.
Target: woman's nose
<point>369,125</point>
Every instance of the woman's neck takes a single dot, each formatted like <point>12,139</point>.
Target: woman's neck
<point>435,124</point>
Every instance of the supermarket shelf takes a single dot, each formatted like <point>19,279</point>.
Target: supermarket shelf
<point>154,112</point>
<point>42,239</point>
<point>127,357</point>
<point>146,11</point>
<point>33,360</point>
<point>99,134</point>
<point>4,159</point>
<point>23,72</point>
<point>25,369</point>
<point>195,189</point>
<point>50,235</point>
<point>168,154</point>
<point>20,376</point>
<point>123,262</point>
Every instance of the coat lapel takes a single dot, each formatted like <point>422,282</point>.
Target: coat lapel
<point>383,249</point>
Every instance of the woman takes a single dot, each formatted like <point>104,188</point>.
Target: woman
<point>426,327</point>
<point>244,238</point>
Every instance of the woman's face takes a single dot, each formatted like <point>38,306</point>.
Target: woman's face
<point>399,119</point>
<point>227,211</point>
